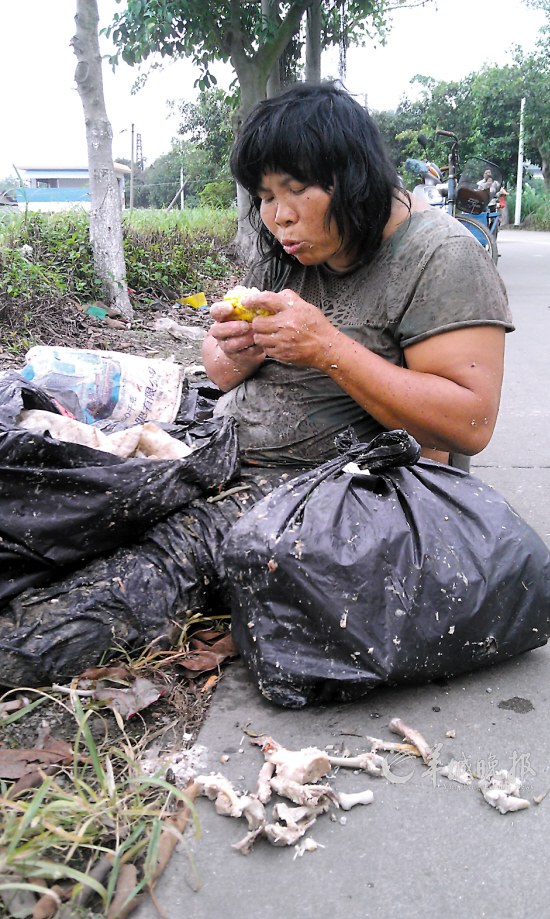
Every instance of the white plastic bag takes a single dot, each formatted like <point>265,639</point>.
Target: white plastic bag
<point>106,385</point>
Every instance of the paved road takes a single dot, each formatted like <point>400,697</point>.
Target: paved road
<point>517,461</point>
<point>425,847</point>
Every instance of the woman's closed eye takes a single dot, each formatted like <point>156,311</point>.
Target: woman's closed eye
<point>298,190</point>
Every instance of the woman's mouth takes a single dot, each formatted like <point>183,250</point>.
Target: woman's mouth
<point>293,248</point>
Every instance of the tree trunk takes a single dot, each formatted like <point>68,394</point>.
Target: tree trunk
<point>313,43</point>
<point>545,166</point>
<point>252,74</point>
<point>253,87</point>
<point>106,204</point>
<point>270,11</point>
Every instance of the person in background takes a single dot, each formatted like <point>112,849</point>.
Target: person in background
<point>382,313</point>
<point>503,218</point>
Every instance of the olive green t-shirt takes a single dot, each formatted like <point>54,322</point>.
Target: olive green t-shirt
<point>429,277</point>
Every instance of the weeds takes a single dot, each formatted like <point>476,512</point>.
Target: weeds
<point>98,832</point>
<point>84,824</point>
<point>535,206</point>
<point>46,267</point>
<point>42,254</point>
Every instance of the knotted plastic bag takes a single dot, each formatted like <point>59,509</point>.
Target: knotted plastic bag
<point>376,569</point>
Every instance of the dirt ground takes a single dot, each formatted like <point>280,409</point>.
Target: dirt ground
<point>162,328</point>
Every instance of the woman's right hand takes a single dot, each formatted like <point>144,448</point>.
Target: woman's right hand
<point>233,336</point>
<point>229,352</point>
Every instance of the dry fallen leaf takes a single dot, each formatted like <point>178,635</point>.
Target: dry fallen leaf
<point>116,672</point>
<point>204,656</point>
<point>210,683</point>
<point>174,826</point>
<point>14,764</point>
<point>127,701</point>
<point>126,881</point>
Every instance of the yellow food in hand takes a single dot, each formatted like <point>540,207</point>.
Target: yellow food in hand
<point>240,311</point>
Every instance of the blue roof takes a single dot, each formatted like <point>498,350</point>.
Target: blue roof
<point>50,195</point>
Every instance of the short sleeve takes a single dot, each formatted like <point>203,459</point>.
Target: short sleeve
<point>458,287</point>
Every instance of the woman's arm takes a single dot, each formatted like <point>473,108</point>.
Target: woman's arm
<point>447,396</point>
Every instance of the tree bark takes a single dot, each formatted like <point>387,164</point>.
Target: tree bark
<point>313,43</point>
<point>252,74</point>
<point>270,10</point>
<point>545,166</point>
<point>106,204</point>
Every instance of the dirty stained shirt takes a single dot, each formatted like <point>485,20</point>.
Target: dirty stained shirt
<point>430,276</point>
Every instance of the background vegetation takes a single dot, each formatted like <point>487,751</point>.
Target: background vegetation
<point>46,265</point>
<point>177,250</point>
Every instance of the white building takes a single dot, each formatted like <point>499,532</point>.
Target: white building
<point>59,189</point>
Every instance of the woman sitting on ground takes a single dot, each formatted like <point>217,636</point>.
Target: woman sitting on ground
<point>383,312</point>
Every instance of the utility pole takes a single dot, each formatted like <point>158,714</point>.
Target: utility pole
<point>519,179</point>
<point>132,172</point>
<point>139,153</point>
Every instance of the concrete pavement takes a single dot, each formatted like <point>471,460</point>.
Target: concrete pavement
<point>426,846</point>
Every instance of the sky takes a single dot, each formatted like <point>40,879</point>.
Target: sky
<point>42,123</point>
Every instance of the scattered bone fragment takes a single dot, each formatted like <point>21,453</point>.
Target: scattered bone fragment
<point>451,733</point>
<point>279,834</point>
<point>229,803</point>
<point>457,772</point>
<point>291,823</point>
<point>219,789</point>
<point>284,813</point>
<point>538,799</point>
<point>244,846</point>
<point>389,746</point>
<point>397,726</point>
<point>301,766</point>
<point>310,795</point>
<point>306,845</point>
<point>254,812</point>
<point>501,790</point>
<point>347,801</point>
<point>369,762</point>
<point>263,786</point>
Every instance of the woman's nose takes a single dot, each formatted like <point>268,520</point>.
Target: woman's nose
<point>284,215</point>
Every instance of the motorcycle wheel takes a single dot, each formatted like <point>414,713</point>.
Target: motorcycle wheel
<point>482,235</point>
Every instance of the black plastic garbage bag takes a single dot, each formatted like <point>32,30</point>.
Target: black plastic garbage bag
<point>138,594</point>
<point>17,394</point>
<point>61,503</point>
<point>345,580</point>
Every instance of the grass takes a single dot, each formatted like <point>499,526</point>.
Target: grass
<point>51,253</point>
<point>47,268</point>
<point>192,220</point>
<point>535,206</point>
<point>99,832</point>
<point>93,838</point>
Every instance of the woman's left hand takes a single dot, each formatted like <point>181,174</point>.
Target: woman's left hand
<point>295,332</point>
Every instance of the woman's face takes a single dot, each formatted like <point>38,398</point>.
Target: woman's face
<point>295,213</point>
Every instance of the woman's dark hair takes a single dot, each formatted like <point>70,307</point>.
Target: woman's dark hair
<point>321,135</point>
